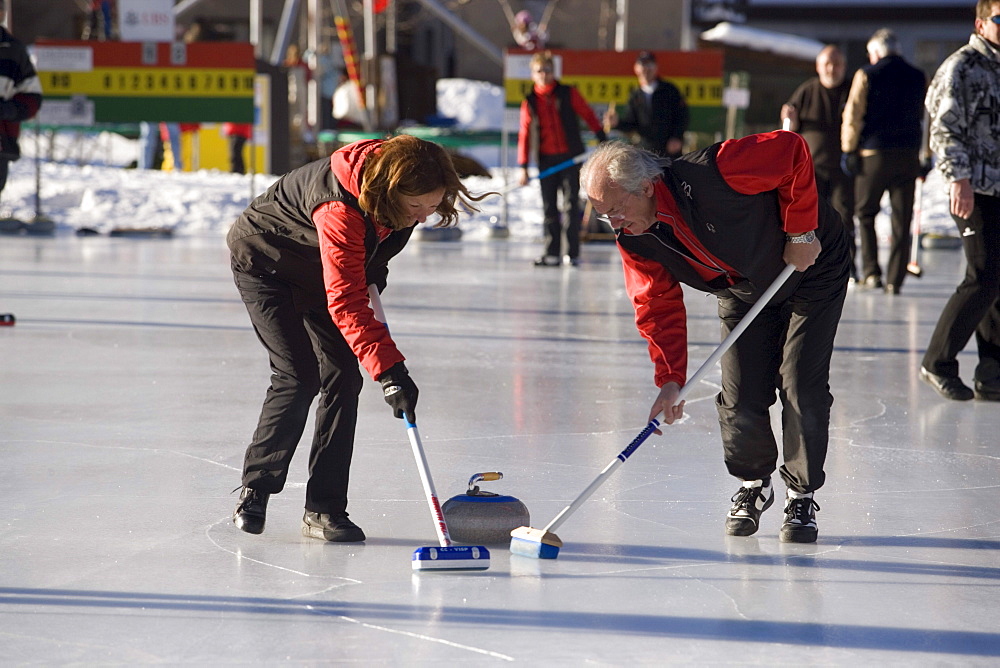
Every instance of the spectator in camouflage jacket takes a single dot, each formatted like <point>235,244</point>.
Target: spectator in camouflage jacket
<point>964,106</point>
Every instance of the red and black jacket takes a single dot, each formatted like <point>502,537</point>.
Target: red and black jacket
<point>308,231</point>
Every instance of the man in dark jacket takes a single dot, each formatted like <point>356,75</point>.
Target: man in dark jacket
<point>815,111</point>
<point>20,99</point>
<point>881,137</point>
<point>656,111</point>
<point>726,220</point>
<point>550,124</point>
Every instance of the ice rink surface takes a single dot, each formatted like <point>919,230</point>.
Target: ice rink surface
<point>131,383</point>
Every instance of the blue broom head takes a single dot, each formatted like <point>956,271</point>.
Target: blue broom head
<point>454,558</point>
<point>534,543</point>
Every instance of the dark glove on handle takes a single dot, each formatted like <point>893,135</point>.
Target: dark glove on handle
<point>400,391</point>
<point>850,164</point>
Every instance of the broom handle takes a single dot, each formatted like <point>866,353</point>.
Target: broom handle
<point>415,444</point>
<point>915,232</point>
<point>694,380</point>
<point>425,478</point>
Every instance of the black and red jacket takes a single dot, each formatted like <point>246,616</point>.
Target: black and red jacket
<point>20,93</point>
<point>309,231</point>
<point>550,119</point>
<point>722,216</point>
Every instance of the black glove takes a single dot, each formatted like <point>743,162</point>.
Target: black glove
<point>926,165</point>
<point>602,136</point>
<point>850,164</point>
<point>400,391</point>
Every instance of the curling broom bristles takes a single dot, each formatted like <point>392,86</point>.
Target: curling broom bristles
<point>535,543</point>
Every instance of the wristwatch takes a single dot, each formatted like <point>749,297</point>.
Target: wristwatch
<point>806,238</point>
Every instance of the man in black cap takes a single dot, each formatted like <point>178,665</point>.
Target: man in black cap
<point>656,111</point>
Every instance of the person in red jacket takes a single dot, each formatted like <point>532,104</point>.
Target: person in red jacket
<point>303,256</point>
<point>550,120</point>
<point>726,220</point>
<point>237,135</point>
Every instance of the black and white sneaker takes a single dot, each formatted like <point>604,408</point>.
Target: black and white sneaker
<point>800,518</point>
<point>752,499</point>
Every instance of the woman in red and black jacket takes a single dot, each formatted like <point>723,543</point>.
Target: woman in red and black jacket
<point>303,256</point>
<point>20,96</point>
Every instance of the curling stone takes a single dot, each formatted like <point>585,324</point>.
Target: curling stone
<point>481,517</point>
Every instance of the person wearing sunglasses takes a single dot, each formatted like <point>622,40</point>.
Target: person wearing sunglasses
<point>963,103</point>
<point>550,122</point>
<point>726,220</point>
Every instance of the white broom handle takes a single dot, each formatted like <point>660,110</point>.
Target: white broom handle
<point>694,380</point>
<point>425,478</point>
<point>415,444</point>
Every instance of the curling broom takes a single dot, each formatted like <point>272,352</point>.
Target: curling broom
<point>544,543</point>
<point>445,557</point>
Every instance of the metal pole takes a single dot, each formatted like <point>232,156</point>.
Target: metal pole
<point>621,25</point>
<point>257,27</point>
<point>371,73</point>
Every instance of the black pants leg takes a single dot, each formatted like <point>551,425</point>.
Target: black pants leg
<point>869,187</point>
<point>574,215</point>
<point>308,355</point>
<point>903,166</point>
<point>236,162</point>
<point>551,185</point>
<point>786,352</point>
<point>975,305</point>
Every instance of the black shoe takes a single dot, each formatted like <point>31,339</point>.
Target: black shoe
<point>987,391</point>
<point>571,261</point>
<point>800,520</point>
<point>752,499</point>
<point>547,261</point>
<point>949,387</point>
<point>252,510</point>
<point>891,289</point>
<point>872,282</point>
<point>334,528</point>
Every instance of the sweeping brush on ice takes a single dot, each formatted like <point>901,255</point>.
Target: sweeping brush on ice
<point>445,557</point>
<point>544,543</point>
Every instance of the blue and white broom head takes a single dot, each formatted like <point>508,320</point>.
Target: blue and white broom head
<point>454,558</point>
<point>535,543</point>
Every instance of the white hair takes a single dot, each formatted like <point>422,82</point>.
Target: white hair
<point>623,164</point>
<point>883,43</point>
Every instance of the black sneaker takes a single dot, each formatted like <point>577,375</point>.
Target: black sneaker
<point>872,282</point>
<point>800,520</point>
<point>987,391</point>
<point>250,513</point>
<point>949,387</point>
<point>752,499</point>
<point>334,528</point>
<point>547,261</point>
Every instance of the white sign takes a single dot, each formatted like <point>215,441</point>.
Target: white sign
<point>76,111</point>
<point>146,20</point>
<point>63,58</point>
<point>736,97</point>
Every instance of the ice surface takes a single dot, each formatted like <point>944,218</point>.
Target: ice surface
<point>132,380</point>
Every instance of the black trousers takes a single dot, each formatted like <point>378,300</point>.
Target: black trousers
<point>895,170</point>
<point>784,353</point>
<point>975,305</point>
<point>308,356</point>
<point>568,181</point>
<point>236,162</point>
<point>838,189</point>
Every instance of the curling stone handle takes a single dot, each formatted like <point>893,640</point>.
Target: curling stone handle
<point>480,477</point>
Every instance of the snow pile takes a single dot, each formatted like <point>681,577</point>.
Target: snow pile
<point>764,40</point>
<point>476,105</point>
